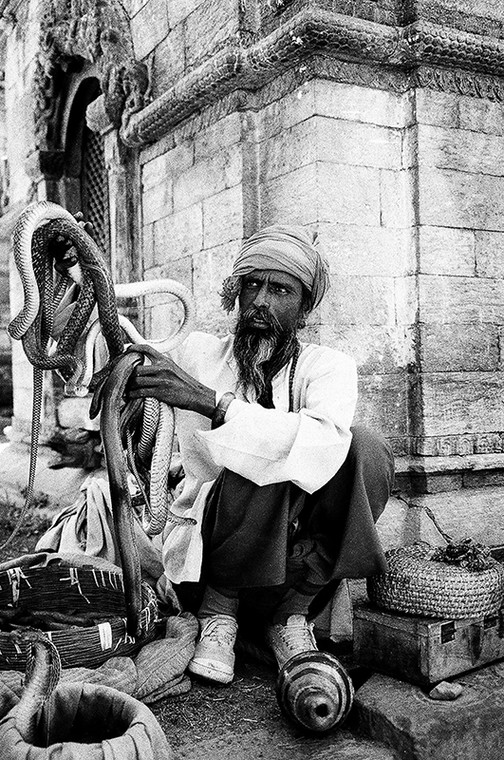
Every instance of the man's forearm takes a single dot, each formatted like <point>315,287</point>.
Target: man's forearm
<point>203,400</point>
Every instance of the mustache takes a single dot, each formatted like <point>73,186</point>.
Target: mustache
<point>259,312</point>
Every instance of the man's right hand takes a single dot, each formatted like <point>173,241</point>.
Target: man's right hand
<point>168,382</point>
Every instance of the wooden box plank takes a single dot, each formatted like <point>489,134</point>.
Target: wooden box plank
<point>425,650</point>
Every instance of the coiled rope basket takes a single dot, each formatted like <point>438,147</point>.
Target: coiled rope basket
<point>79,603</point>
<point>417,583</point>
<point>75,721</point>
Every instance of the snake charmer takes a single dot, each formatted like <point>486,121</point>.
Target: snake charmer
<point>284,490</point>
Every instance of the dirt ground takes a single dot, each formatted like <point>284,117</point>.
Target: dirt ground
<point>222,721</point>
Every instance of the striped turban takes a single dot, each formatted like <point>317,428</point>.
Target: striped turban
<point>287,248</point>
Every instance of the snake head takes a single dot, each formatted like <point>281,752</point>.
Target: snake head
<point>41,654</point>
<point>145,350</point>
<point>98,383</point>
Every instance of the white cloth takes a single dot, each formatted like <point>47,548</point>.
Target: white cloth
<point>306,446</point>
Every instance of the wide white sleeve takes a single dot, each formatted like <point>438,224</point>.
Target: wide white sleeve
<point>306,447</point>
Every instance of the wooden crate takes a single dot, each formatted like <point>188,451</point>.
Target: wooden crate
<point>425,650</point>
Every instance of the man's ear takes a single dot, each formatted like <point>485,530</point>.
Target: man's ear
<point>306,307</point>
<point>301,323</point>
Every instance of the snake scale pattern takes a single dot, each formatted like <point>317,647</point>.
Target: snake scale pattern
<point>36,227</point>
<point>43,668</point>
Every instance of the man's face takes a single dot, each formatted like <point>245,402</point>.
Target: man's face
<point>277,293</point>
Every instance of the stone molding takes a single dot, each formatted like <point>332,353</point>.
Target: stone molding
<point>448,464</point>
<point>71,33</point>
<point>430,55</point>
<point>457,447</point>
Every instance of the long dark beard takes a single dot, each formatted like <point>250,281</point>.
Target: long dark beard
<point>260,354</point>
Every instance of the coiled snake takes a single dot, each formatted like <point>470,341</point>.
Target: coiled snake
<point>36,260</point>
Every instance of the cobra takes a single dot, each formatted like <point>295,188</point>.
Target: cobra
<point>43,668</point>
<point>108,397</point>
<point>36,226</point>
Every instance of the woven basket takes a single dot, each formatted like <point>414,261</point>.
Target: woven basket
<point>82,590</point>
<point>417,585</point>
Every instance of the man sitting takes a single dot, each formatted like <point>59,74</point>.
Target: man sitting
<point>284,492</point>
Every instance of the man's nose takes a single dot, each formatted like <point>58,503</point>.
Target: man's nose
<point>262,296</point>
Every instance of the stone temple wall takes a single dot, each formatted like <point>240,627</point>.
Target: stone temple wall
<point>378,122</point>
<point>317,156</point>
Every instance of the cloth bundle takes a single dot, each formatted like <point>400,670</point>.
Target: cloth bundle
<point>87,527</point>
<point>157,671</point>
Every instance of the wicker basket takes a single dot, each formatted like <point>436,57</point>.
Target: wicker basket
<point>77,590</point>
<point>417,585</point>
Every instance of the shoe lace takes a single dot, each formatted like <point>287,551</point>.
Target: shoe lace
<point>221,629</point>
<point>298,636</point>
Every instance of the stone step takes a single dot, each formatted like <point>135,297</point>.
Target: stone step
<point>279,744</point>
<point>406,720</point>
<point>62,486</point>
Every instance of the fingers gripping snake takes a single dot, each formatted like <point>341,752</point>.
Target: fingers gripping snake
<point>109,397</point>
<point>33,325</point>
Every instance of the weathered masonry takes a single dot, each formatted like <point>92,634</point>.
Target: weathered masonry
<point>180,126</point>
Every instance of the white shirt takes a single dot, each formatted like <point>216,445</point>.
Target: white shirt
<point>306,446</point>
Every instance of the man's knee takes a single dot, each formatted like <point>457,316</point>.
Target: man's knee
<point>373,453</point>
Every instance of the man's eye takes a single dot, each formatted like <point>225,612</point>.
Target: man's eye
<point>279,289</point>
<point>251,284</point>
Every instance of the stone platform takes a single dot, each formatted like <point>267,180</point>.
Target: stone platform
<point>390,720</point>
<point>61,485</point>
<point>416,727</point>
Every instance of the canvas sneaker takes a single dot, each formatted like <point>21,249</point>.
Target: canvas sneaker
<point>214,656</point>
<point>295,637</point>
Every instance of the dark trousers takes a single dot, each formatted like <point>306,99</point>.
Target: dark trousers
<point>263,541</point>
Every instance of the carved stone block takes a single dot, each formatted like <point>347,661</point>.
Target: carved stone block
<point>349,194</point>
<point>181,9</point>
<point>291,197</point>
<point>460,149</point>
<point>223,217</point>
<point>362,104</point>
<point>169,60</point>
<point>208,177</point>
<point>458,13</point>
<point>350,142</point>
<point>489,259</point>
<point>219,136</point>
<point>371,251</point>
<point>178,234</point>
<point>448,300</point>
<point>437,107</point>
<point>461,402</point>
<point>157,202</point>
<point>469,512</point>
<point>176,269</point>
<point>455,347</point>
<point>210,268</point>
<point>449,198</point>
<point>397,193</point>
<point>360,300</point>
<point>481,115</point>
<point>212,23</point>
<point>147,249</point>
<point>289,150</point>
<point>448,251</point>
<point>168,165</point>
<point>284,112</point>
<point>149,27</point>
<point>375,348</point>
<point>382,403</point>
